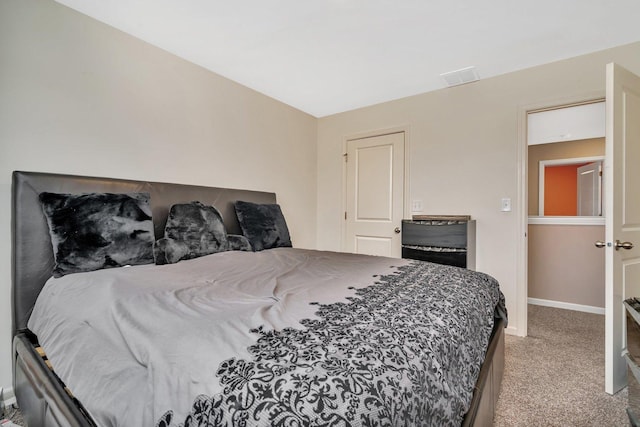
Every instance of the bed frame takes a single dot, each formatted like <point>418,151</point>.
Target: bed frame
<point>42,396</point>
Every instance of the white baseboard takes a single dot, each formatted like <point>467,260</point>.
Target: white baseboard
<point>512,330</point>
<point>566,305</point>
<point>8,397</point>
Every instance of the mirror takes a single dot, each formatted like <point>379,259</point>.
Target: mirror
<point>570,187</point>
<point>549,163</point>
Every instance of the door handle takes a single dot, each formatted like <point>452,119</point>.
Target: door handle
<point>618,245</point>
<point>396,230</point>
<point>623,245</point>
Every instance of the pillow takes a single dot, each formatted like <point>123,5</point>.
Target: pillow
<point>169,251</point>
<point>239,243</point>
<point>263,225</point>
<point>193,230</point>
<point>98,230</point>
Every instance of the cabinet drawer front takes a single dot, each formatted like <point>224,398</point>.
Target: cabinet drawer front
<point>457,259</point>
<point>444,236</point>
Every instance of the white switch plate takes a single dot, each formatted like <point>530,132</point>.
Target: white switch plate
<point>416,206</point>
<point>505,205</point>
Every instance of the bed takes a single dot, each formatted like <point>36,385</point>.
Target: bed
<point>292,337</point>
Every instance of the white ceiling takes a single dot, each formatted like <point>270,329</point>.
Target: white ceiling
<point>329,56</point>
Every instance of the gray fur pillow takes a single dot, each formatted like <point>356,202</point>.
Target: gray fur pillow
<point>98,230</point>
<point>239,243</point>
<point>263,225</point>
<point>193,230</point>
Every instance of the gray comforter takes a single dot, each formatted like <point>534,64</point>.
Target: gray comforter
<point>284,337</point>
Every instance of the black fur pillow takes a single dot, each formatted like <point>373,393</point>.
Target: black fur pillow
<point>239,243</point>
<point>98,230</point>
<point>263,225</point>
<point>193,230</point>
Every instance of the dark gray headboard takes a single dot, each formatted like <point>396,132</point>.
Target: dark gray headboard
<point>32,254</point>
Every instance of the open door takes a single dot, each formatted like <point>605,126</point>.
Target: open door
<point>622,207</point>
<point>589,189</point>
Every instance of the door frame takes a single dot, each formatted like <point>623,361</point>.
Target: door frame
<point>406,205</point>
<point>522,202</point>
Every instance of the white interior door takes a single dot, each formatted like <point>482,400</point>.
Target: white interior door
<point>622,207</point>
<point>589,190</point>
<point>375,195</point>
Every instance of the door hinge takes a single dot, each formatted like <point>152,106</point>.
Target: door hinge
<point>345,215</point>
<point>346,157</point>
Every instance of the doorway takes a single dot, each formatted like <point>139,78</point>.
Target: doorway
<point>621,208</point>
<point>528,166</point>
<point>565,270</point>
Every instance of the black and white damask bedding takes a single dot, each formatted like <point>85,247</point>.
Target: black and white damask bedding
<point>282,337</point>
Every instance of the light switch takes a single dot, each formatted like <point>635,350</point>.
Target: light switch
<point>506,205</point>
<point>416,206</point>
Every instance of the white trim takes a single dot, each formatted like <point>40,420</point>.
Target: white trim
<point>8,396</point>
<point>566,220</point>
<point>522,208</point>
<point>567,305</point>
<point>512,330</point>
<point>541,173</point>
<point>407,174</point>
<point>571,161</point>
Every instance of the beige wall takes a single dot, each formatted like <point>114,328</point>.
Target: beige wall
<point>464,144</point>
<point>565,265</point>
<point>79,97</point>
<point>557,150</point>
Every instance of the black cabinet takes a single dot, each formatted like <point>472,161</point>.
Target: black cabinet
<point>450,242</point>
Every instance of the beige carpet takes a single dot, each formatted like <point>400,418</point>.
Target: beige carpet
<point>555,376</point>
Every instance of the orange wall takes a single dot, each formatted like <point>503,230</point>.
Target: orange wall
<point>561,190</point>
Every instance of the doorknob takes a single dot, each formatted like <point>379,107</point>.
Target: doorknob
<point>618,245</point>
<point>623,245</point>
<point>397,230</point>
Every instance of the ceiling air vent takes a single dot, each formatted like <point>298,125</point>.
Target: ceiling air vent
<point>460,77</point>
